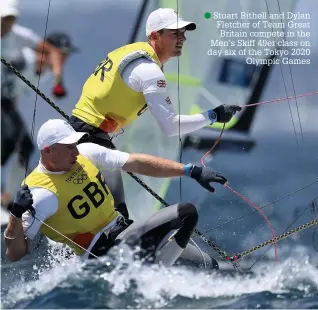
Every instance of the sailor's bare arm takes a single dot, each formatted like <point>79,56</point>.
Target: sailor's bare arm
<point>16,243</point>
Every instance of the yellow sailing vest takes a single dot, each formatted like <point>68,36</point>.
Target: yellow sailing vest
<point>85,204</point>
<point>106,101</point>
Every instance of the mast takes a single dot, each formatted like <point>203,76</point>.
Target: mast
<point>139,18</point>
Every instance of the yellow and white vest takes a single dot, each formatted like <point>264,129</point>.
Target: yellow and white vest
<point>85,203</point>
<point>106,101</point>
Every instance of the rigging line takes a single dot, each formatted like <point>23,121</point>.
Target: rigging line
<point>281,99</point>
<point>36,98</point>
<point>313,209</point>
<point>260,211</point>
<point>269,204</point>
<point>36,95</point>
<point>283,236</point>
<point>259,258</point>
<point>145,186</point>
<point>209,242</point>
<point>240,195</point>
<point>251,105</point>
<point>34,111</point>
<point>214,145</point>
<point>51,103</point>
<point>243,197</point>
<point>179,105</point>
<point>65,237</point>
<point>285,87</point>
<point>292,79</point>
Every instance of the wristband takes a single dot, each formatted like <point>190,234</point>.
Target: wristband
<point>188,169</point>
<point>212,116</point>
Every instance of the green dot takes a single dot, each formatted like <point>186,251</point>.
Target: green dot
<point>207,15</point>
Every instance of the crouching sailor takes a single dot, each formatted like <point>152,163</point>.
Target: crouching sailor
<point>73,205</point>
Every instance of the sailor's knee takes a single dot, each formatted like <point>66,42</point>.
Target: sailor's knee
<point>188,214</point>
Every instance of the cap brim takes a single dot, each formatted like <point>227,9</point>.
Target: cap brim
<point>182,24</point>
<point>73,138</point>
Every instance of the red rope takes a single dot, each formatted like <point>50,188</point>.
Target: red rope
<point>282,99</point>
<point>237,193</point>
<point>260,211</point>
<point>241,196</point>
<point>212,148</point>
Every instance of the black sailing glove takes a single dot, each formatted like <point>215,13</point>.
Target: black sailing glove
<point>225,112</point>
<point>205,175</point>
<point>22,202</point>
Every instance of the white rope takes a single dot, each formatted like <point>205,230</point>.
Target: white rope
<point>67,238</point>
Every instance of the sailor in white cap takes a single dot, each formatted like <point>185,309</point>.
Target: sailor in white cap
<point>171,29</point>
<point>130,81</point>
<point>68,192</point>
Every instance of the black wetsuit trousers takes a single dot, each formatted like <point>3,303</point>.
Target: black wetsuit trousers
<point>151,231</point>
<point>178,220</point>
<point>14,136</point>
<point>147,234</point>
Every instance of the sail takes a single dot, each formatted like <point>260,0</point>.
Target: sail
<point>197,81</point>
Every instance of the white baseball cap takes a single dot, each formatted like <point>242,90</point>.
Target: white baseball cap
<point>9,8</point>
<point>166,19</point>
<point>57,131</point>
